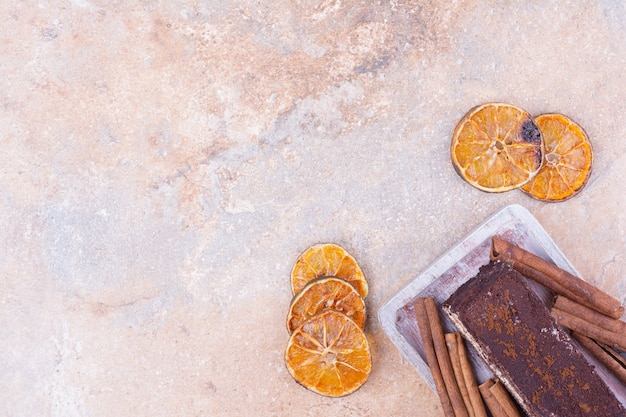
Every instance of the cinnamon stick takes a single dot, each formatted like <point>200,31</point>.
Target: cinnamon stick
<point>504,399</point>
<point>492,403</point>
<point>455,359</point>
<point>498,399</point>
<point>602,356</point>
<point>542,279</point>
<point>423,324</point>
<point>476,406</point>
<point>577,324</point>
<point>614,353</point>
<point>439,342</point>
<point>592,316</point>
<point>555,278</point>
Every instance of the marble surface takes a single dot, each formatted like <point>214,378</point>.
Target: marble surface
<point>164,163</point>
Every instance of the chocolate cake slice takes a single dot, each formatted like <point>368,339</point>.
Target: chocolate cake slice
<point>513,331</point>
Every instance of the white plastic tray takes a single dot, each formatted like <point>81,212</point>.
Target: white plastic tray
<point>513,223</point>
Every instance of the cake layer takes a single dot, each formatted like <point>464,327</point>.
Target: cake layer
<point>513,331</point>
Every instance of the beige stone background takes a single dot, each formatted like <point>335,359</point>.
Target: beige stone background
<point>163,164</point>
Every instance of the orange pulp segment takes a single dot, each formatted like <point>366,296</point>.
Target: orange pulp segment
<point>568,159</point>
<point>497,147</point>
<point>328,293</point>
<point>326,260</point>
<point>329,354</point>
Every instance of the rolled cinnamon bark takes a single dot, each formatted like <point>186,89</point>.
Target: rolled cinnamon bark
<point>555,278</point>
<point>476,407</point>
<point>455,359</point>
<point>504,399</point>
<point>602,356</point>
<point>614,353</point>
<point>577,324</point>
<point>565,304</point>
<point>431,356</point>
<point>439,342</point>
<point>492,403</point>
<point>498,399</point>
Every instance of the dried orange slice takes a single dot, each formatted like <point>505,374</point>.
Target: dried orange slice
<point>329,354</point>
<point>497,147</point>
<point>327,260</point>
<point>568,159</point>
<point>329,293</point>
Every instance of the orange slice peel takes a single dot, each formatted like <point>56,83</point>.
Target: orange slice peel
<point>568,160</point>
<point>329,354</point>
<point>327,293</point>
<point>326,260</point>
<point>497,147</point>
